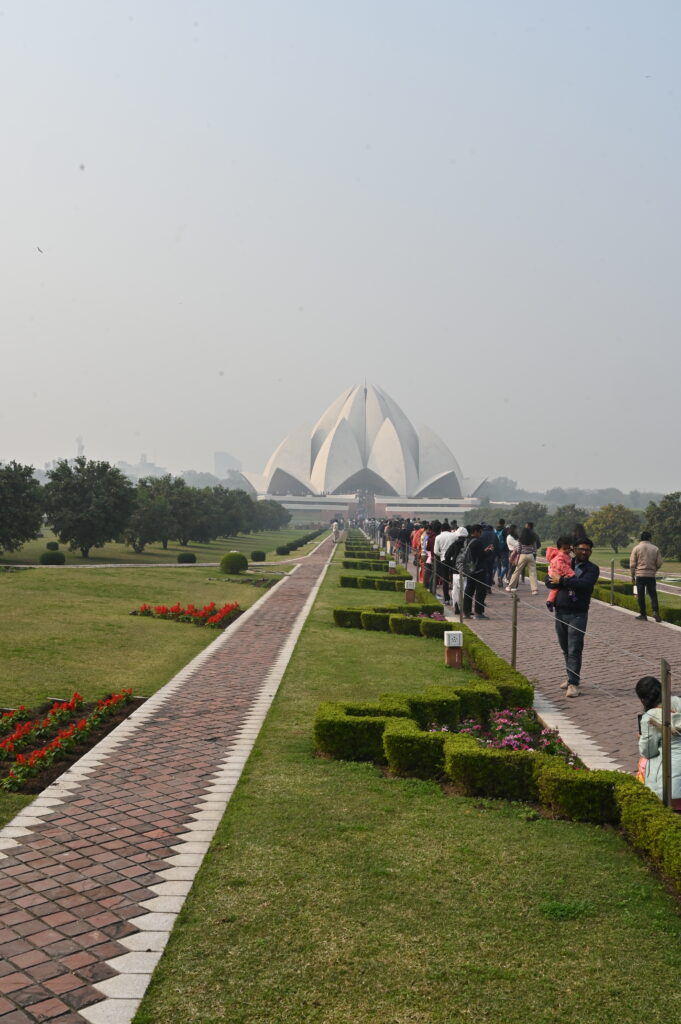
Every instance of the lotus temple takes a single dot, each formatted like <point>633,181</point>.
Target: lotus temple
<point>364,455</point>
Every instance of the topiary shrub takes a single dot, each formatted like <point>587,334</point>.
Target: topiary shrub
<point>501,774</point>
<point>52,545</point>
<point>186,558</point>
<point>52,558</point>
<point>434,629</point>
<point>580,795</point>
<point>379,621</point>
<point>258,556</point>
<point>233,562</point>
<point>353,732</point>
<point>350,618</point>
<point>405,625</point>
<point>349,581</point>
<point>411,751</point>
<point>283,549</point>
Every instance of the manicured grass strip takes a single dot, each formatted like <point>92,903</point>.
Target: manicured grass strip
<point>11,804</point>
<point>66,631</point>
<point>266,541</point>
<point>335,894</point>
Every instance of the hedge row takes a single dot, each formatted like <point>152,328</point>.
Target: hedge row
<point>293,545</point>
<point>364,563</point>
<point>388,731</point>
<point>380,581</point>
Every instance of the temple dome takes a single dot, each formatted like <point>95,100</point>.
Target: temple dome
<point>364,442</point>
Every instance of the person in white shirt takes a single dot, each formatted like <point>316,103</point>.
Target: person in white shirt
<point>443,572</point>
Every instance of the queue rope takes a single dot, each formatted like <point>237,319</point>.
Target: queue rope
<point>594,639</point>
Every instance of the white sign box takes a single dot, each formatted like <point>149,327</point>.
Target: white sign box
<point>453,638</point>
<point>410,584</point>
<point>392,565</point>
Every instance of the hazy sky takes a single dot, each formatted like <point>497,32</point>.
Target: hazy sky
<point>245,208</point>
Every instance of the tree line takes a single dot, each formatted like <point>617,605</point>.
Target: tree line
<point>88,503</point>
<point>613,526</point>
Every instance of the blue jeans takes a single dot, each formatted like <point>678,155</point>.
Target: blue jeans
<point>570,630</point>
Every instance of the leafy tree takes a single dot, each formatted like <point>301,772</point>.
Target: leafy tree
<point>183,509</point>
<point>270,515</point>
<point>152,518</point>
<point>532,512</point>
<point>613,525</point>
<point>664,522</point>
<point>87,503</point>
<point>21,506</point>
<point>565,518</point>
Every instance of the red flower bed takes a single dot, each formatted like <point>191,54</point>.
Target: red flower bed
<point>210,615</point>
<point>40,756</point>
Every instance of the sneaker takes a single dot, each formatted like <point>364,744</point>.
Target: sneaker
<point>510,590</point>
<point>565,685</point>
<point>642,618</point>
<point>482,616</point>
<point>572,691</point>
<point>658,618</point>
<point>467,616</point>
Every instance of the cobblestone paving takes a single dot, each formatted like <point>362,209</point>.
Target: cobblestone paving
<point>75,879</point>
<point>618,650</point>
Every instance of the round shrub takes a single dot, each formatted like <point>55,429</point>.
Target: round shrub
<point>52,558</point>
<point>233,562</point>
<point>283,549</point>
<point>52,545</point>
<point>257,556</point>
<point>186,557</point>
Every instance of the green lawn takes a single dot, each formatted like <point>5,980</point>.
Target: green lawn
<point>112,553</point>
<point>62,631</point>
<point>333,894</point>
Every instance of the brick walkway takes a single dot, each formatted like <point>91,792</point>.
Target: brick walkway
<point>618,650</point>
<point>94,872</point>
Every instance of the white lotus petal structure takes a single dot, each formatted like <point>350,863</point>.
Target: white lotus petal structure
<point>364,442</point>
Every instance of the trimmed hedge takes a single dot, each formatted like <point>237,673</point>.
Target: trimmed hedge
<point>354,732</point>
<point>434,629</point>
<point>365,563</point>
<point>258,556</point>
<point>378,621</point>
<point>483,771</point>
<point>405,625</point>
<point>650,827</point>
<point>516,691</point>
<point>349,618</point>
<point>409,751</point>
<point>52,558</point>
<point>52,545</point>
<point>186,558</point>
<point>580,795</point>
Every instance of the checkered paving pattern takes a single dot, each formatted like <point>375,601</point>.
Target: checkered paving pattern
<point>71,884</point>
<point>618,650</point>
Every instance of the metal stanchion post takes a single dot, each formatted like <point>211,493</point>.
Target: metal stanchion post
<point>612,581</point>
<point>461,588</point>
<point>665,680</point>
<point>514,628</point>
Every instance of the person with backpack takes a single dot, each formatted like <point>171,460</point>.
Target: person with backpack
<point>475,568</point>
<point>453,560</point>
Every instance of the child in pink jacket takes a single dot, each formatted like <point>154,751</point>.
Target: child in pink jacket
<point>560,564</point>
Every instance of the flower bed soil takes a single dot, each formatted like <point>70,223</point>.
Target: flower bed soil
<point>64,759</point>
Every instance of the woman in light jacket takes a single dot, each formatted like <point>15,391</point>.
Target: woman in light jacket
<point>649,692</point>
<point>527,547</point>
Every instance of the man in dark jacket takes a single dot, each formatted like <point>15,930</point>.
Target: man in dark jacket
<point>475,571</point>
<point>572,612</point>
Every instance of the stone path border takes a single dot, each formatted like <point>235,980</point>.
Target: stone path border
<point>94,872</point>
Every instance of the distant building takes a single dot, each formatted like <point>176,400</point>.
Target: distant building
<point>142,468</point>
<point>364,448</point>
